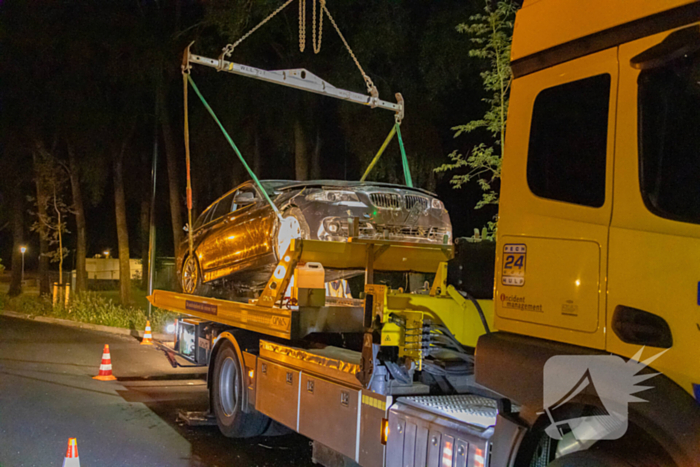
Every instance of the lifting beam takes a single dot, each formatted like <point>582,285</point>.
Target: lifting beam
<point>297,78</point>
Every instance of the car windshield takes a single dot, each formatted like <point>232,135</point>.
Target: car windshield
<point>669,118</point>
<point>272,186</point>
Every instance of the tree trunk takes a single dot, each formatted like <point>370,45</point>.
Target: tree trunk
<point>257,156</point>
<point>41,196</point>
<point>316,158</point>
<point>60,226</point>
<point>171,155</point>
<point>17,212</point>
<point>80,224</point>
<point>145,228</point>
<point>301,161</point>
<point>122,231</point>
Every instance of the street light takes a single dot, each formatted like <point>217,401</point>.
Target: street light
<point>106,253</point>
<point>23,249</point>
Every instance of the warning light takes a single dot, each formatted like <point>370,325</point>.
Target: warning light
<point>251,373</point>
<point>385,430</point>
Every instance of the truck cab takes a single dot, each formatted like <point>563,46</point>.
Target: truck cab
<point>598,247</point>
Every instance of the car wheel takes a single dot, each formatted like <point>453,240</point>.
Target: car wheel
<point>227,398</point>
<point>191,276</point>
<point>293,225</point>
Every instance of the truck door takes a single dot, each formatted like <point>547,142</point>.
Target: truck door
<point>556,201</point>
<point>654,265</point>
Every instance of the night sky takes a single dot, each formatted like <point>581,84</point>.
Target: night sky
<point>85,75</point>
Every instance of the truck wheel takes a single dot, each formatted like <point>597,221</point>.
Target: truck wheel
<point>191,276</point>
<point>594,459</point>
<point>227,398</point>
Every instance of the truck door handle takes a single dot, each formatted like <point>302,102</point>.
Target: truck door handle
<point>635,326</point>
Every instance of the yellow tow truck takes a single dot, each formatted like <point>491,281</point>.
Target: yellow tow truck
<point>588,353</point>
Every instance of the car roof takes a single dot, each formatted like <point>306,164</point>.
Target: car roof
<point>274,186</point>
<point>293,184</point>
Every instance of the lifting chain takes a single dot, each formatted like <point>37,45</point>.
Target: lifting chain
<point>317,46</point>
<point>371,88</point>
<point>226,51</point>
<point>302,24</point>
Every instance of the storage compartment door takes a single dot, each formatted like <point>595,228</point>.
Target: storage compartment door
<point>277,393</point>
<point>329,414</point>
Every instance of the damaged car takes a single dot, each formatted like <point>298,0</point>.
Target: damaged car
<point>238,240</point>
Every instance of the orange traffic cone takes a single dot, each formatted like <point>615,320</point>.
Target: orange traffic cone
<point>147,337</point>
<point>72,459</point>
<point>105,368</point>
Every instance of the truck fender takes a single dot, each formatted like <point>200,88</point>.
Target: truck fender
<point>512,365</point>
<point>233,336</point>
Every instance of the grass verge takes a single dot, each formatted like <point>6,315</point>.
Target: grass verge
<point>89,307</point>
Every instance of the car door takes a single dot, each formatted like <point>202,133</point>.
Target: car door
<point>654,259</point>
<point>245,232</point>
<point>208,248</point>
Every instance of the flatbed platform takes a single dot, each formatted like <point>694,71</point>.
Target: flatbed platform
<point>267,317</point>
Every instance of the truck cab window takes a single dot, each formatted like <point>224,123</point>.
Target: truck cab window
<point>669,138</point>
<point>568,142</point>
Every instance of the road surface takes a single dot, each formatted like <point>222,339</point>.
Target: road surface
<point>47,395</point>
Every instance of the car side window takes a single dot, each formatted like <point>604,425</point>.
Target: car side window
<point>201,220</point>
<point>223,207</point>
<point>568,142</point>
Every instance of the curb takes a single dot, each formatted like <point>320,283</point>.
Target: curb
<point>92,327</point>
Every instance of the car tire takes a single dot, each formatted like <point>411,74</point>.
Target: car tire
<point>226,398</point>
<point>303,227</point>
<point>191,276</point>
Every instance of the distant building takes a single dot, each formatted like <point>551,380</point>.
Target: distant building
<point>108,268</point>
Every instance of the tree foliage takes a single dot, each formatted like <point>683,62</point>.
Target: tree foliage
<point>491,35</point>
<point>52,221</point>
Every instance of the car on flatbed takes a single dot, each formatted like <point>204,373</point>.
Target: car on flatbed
<point>238,240</point>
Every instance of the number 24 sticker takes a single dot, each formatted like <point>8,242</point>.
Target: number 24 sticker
<point>514,257</point>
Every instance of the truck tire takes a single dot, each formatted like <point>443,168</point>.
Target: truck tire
<point>226,398</point>
<point>598,459</point>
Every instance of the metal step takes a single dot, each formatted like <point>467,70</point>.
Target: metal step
<point>467,408</point>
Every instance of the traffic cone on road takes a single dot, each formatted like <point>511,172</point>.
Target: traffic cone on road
<point>72,459</point>
<point>105,369</point>
<point>147,337</point>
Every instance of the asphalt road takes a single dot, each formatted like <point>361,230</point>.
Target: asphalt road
<point>47,395</point>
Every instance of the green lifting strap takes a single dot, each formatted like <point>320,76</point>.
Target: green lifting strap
<point>404,159</point>
<point>235,148</point>
<point>406,170</point>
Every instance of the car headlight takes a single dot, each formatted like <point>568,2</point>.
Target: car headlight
<point>333,196</point>
<point>437,204</point>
